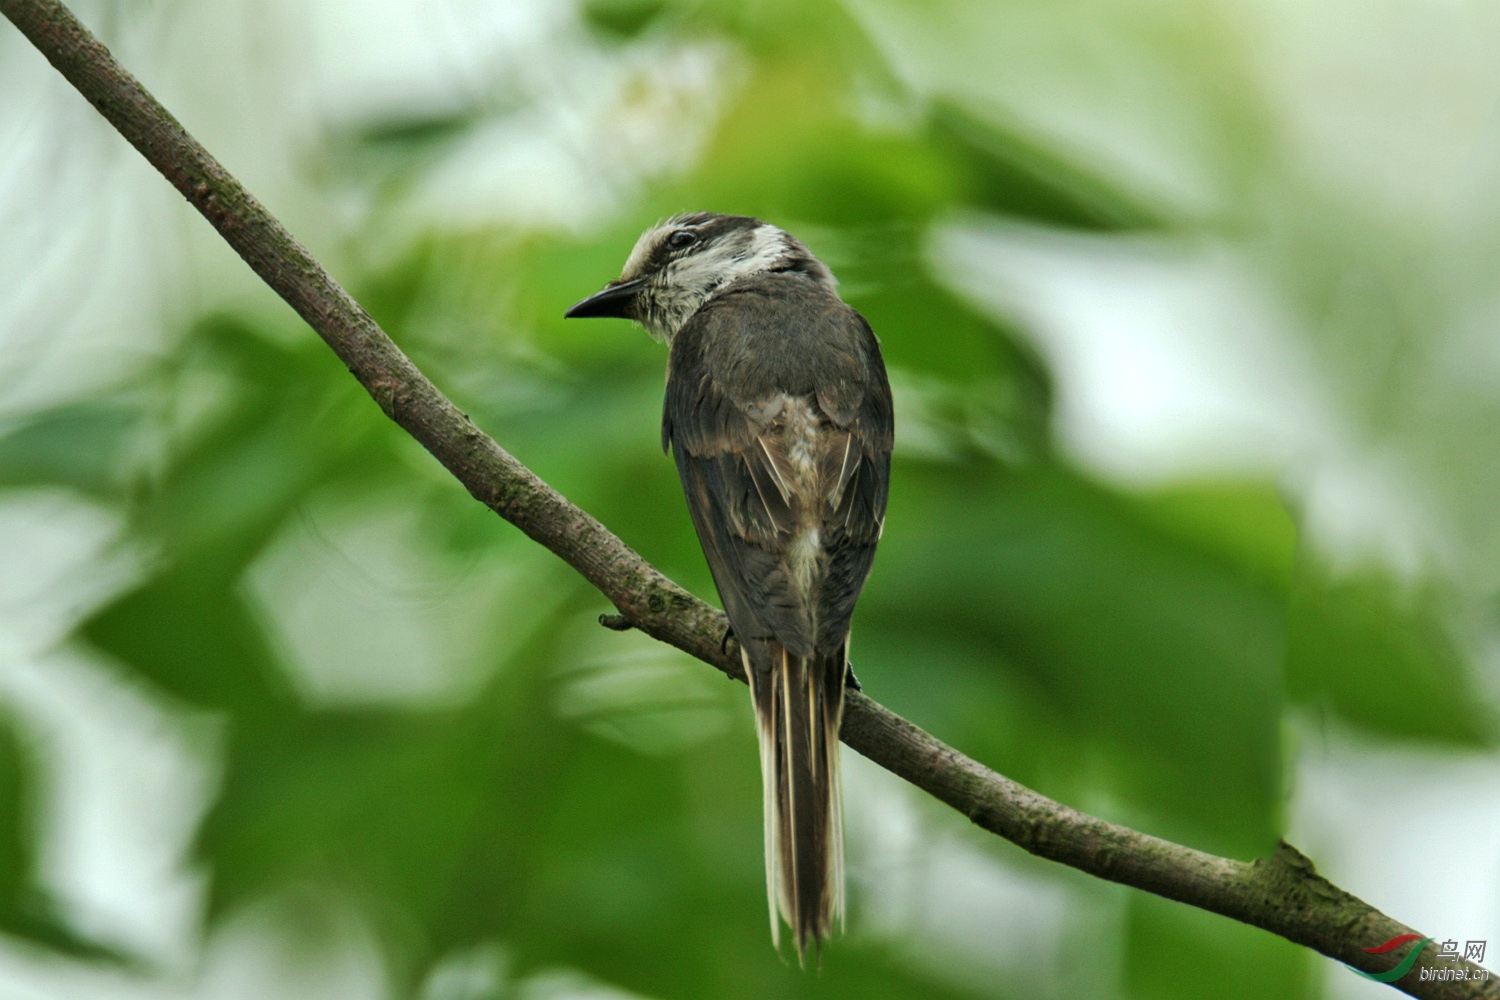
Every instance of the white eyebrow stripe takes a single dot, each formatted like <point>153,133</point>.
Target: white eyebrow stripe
<point>767,249</point>
<point>732,248</point>
<point>641,252</point>
<point>731,257</point>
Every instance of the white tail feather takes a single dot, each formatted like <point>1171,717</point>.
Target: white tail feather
<point>798,708</point>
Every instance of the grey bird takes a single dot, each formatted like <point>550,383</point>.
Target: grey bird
<point>778,413</point>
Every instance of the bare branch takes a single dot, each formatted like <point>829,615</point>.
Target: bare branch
<point>1282,894</point>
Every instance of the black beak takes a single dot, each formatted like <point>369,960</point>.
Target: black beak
<point>615,300</point>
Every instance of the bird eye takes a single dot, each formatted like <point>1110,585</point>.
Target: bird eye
<point>682,238</point>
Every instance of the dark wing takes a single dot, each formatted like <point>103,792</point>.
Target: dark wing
<point>851,532</point>
<point>735,367</point>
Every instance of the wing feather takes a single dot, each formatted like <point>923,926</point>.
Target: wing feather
<point>736,366</point>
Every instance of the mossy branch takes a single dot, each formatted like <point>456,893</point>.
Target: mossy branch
<point>1282,894</point>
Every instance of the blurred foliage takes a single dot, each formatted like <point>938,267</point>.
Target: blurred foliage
<point>590,801</point>
<point>26,908</point>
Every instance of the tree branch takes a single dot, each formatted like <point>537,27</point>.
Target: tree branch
<point>1282,894</point>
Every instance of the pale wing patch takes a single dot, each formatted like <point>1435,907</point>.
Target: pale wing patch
<point>840,459</point>
<point>779,470</point>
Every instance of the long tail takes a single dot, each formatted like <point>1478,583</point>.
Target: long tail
<point>799,703</point>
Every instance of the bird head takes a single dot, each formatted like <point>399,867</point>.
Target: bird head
<point>680,264</point>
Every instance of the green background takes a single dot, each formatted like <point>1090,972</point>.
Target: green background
<point>417,730</point>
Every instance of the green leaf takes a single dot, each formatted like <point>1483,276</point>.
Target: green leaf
<point>1382,656</point>
<point>27,910</point>
<point>622,18</point>
<point>80,445</point>
<point>1148,672</point>
<point>1173,950</point>
<point>1015,175</point>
